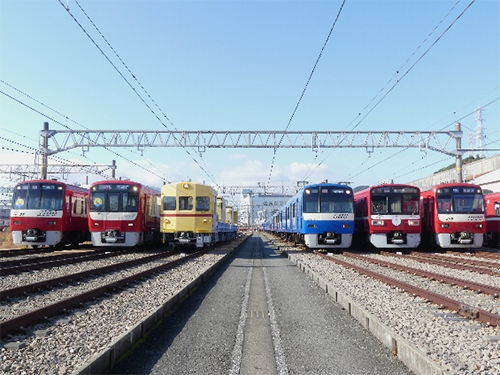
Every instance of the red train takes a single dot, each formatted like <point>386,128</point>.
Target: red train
<point>453,216</point>
<point>387,216</point>
<point>47,212</point>
<point>492,202</point>
<point>123,213</point>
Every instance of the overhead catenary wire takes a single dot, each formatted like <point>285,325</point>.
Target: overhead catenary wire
<point>204,169</point>
<point>305,89</point>
<point>65,126</point>
<point>399,152</point>
<point>399,77</point>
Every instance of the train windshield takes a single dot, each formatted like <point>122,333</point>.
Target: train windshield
<point>395,200</point>
<point>38,196</point>
<point>460,200</point>
<point>114,198</point>
<point>326,199</point>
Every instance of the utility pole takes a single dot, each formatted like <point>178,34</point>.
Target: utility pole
<point>458,162</point>
<point>44,150</point>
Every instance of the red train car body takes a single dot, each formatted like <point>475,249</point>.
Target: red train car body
<point>453,216</point>
<point>387,216</point>
<point>492,203</point>
<point>47,212</point>
<point>123,213</point>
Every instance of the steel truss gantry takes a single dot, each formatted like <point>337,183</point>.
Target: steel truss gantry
<point>62,140</point>
<point>447,142</point>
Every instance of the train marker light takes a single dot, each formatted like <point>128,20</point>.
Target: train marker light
<point>413,222</point>
<point>378,222</point>
<point>445,225</point>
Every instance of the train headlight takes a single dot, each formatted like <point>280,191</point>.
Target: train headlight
<point>413,222</point>
<point>445,225</point>
<point>17,222</point>
<point>378,223</point>
<point>346,225</point>
<point>185,186</point>
<point>130,224</point>
<point>479,225</point>
<point>51,223</point>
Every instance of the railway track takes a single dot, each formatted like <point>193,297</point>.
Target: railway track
<point>462,295</point>
<point>33,302</point>
<point>46,300</point>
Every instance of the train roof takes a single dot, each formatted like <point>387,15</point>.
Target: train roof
<point>55,182</point>
<point>195,185</point>
<point>492,196</point>
<point>369,188</point>
<point>145,188</point>
<point>452,184</point>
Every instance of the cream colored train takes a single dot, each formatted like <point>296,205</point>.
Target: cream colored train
<point>192,214</point>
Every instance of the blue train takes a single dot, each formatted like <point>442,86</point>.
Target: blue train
<point>321,216</point>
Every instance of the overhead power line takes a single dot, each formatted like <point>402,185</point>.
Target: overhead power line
<point>305,88</point>
<point>399,77</point>
<point>134,77</point>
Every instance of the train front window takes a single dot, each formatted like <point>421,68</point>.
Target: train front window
<point>168,203</point>
<point>460,201</point>
<point>327,199</point>
<point>311,200</point>
<point>130,202</point>
<point>411,203</point>
<point>468,203</point>
<point>202,204</point>
<point>113,201</point>
<point>185,203</point>
<point>38,196</point>
<point>394,203</point>
<point>379,205</point>
<point>444,203</point>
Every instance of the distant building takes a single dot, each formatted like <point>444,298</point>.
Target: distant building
<point>255,207</point>
<point>484,172</point>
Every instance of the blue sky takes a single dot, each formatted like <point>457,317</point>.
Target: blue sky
<point>243,65</point>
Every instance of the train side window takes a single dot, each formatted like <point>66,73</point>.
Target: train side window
<point>185,203</point>
<point>154,207</point>
<point>169,204</point>
<point>202,203</point>
<point>496,207</point>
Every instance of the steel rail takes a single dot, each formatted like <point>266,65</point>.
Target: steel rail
<point>12,267</point>
<point>30,288</point>
<point>461,264</point>
<point>468,284</point>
